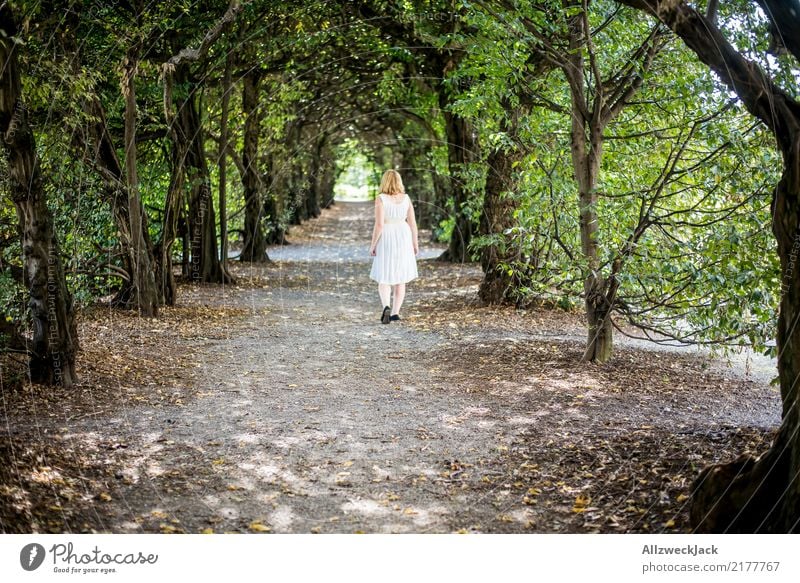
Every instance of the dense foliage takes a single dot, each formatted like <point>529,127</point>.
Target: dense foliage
<point>681,195</point>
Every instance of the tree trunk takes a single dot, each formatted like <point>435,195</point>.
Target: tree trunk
<point>327,175</point>
<point>96,146</point>
<point>586,156</point>
<point>755,495</point>
<point>169,230</point>
<point>98,141</point>
<point>292,173</point>
<point>326,183</point>
<point>461,149</point>
<point>227,86</point>
<point>254,249</point>
<point>55,338</point>
<point>313,208</point>
<point>497,217</point>
<point>763,495</point>
<point>93,143</point>
<point>297,194</point>
<point>273,197</point>
<point>204,263</point>
<point>145,294</point>
<point>598,317</point>
<point>174,200</point>
<point>498,214</point>
<point>587,149</point>
<point>414,174</point>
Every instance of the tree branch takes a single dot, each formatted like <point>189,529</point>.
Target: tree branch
<point>190,54</point>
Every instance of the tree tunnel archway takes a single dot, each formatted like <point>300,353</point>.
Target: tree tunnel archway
<point>556,146</point>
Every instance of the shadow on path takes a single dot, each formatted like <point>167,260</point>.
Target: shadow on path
<point>297,411</point>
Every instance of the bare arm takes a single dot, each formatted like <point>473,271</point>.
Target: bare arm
<point>412,222</point>
<point>378,228</point>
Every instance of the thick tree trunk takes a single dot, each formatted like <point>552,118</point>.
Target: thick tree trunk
<point>755,495</point>
<point>145,296</point>
<point>497,217</point>
<point>763,495</point>
<point>254,248</point>
<point>327,175</point>
<point>297,189</point>
<point>327,181</point>
<point>461,149</point>
<point>414,172</point>
<point>116,194</point>
<point>55,338</point>
<point>204,265</point>
<point>293,176</point>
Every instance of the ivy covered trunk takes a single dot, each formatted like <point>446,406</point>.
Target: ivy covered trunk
<point>294,175</point>
<point>413,171</point>
<point>327,179</point>
<point>314,193</point>
<point>254,248</point>
<point>55,338</point>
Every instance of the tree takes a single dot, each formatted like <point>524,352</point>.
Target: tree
<point>741,496</point>
<point>255,243</point>
<point>188,134</point>
<point>145,294</point>
<point>597,97</point>
<point>55,337</point>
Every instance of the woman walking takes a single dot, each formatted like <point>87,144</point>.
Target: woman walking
<point>394,245</point>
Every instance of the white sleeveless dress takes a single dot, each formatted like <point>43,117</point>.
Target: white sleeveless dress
<point>394,260</point>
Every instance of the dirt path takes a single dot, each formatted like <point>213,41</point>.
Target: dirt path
<point>292,409</point>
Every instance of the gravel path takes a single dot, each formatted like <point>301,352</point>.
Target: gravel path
<point>308,415</point>
<point>317,418</point>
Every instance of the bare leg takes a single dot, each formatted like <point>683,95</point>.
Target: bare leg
<point>384,290</point>
<point>399,296</point>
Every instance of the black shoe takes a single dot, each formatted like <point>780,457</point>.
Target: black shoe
<point>385,316</point>
<point>395,318</point>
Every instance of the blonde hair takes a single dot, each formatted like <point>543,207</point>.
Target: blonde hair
<point>391,183</point>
